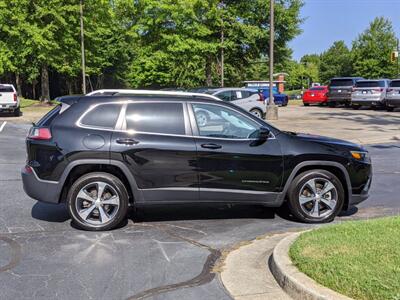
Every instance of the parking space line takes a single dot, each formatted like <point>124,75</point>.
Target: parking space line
<point>2,126</point>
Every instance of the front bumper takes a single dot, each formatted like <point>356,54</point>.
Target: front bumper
<point>358,198</point>
<point>40,190</point>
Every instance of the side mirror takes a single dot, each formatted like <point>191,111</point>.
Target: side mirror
<point>263,133</point>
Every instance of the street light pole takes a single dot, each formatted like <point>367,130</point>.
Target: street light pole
<point>271,108</point>
<point>83,51</point>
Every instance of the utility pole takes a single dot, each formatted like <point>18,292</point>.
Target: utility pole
<point>83,51</point>
<point>222,57</point>
<point>272,109</point>
<point>397,58</point>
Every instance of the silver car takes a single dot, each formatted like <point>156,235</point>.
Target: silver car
<point>393,95</point>
<point>248,99</point>
<point>371,93</point>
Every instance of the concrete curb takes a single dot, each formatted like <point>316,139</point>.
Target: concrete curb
<point>295,283</point>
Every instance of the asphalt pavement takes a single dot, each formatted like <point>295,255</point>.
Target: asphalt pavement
<point>164,252</point>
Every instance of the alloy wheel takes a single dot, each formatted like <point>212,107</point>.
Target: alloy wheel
<point>318,198</point>
<point>97,203</point>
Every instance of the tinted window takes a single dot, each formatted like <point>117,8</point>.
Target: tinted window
<point>222,122</point>
<point>341,82</point>
<point>153,117</point>
<point>104,116</point>
<point>6,89</point>
<point>370,84</point>
<point>395,83</point>
<point>226,96</point>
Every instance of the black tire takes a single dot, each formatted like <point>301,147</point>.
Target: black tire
<point>355,107</point>
<point>294,196</point>
<point>17,112</point>
<point>331,104</point>
<point>257,112</point>
<point>88,179</point>
<point>306,104</point>
<point>390,109</point>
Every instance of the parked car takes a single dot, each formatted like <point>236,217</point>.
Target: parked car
<point>371,93</point>
<point>393,95</point>
<point>248,99</point>
<point>340,89</point>
<point>9,101</point>
<point>101,154</point>
<point>279,98</point>
<point>315,95</point>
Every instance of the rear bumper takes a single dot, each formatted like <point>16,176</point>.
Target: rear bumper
<point>369,102</point>
<point>40,190</point>
<point>340,99</point>
<point>8,106</point>
<point>314,100</point>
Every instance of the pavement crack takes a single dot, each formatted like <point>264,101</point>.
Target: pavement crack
<point>16,253</point>
<point>206,275</point>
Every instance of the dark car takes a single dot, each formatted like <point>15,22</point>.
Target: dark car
<point>340,89</point>
<point>102,154</point>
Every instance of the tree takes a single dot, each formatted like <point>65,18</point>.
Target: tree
<point>372,48</point>
<point>335,62</point>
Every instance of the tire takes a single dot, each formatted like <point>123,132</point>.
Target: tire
<point>390,109</point>
<point>332,104</point>
<point>88,186</point>
<point>257,112</point>
<point>307,212</point>
<point>306,104</point>
<point>17,112</point>
<point>355,107</point>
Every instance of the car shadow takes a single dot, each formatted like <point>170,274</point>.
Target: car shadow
<point>168,212</point>
<point>50,212</point>
<point>10,115</point>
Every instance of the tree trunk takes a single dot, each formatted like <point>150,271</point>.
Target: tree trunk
<point>209,70</point>
<point>34,83</point>
<point>70,86</point>
<point>18,82</point>
<point>45,97</point>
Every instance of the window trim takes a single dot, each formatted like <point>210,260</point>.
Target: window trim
<point>195,129</point>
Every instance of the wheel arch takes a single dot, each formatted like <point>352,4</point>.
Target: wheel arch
<point>80,167</point>
<point>334,167</point>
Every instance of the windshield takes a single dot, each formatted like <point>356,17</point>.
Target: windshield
<point>341,82</point>
<point>370,84</point>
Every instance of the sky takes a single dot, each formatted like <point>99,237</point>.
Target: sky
<point>327,21</point>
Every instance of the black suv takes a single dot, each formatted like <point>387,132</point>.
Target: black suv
<point>340,89</point>
<point>102,154</point>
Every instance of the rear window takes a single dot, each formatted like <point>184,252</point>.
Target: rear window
<point>317,89</point>
<point>6,89</point>
<point>370,84</point>
<point>164,118</point>
<point>395,83</point>
<point>103,116</point>
<point>341,82</point>
<point>46,120</point>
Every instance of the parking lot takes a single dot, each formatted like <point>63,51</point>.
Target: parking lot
<point>164,252</point>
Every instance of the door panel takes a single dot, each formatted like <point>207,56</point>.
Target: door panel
<point>235,168</point>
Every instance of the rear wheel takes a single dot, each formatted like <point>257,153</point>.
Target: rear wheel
<point>389,108</point>
<point>97,201</point>
<point>306,104</point>
<point>316,196</point>
<point>355,107</point>
<point>257,112</point>
<point>17,112</point>
<point>332,104</point>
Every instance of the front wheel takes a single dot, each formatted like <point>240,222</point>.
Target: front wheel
<point>316,196</point>
<point>97,201</point>
<point>306,104</point>
<point>257,112</point>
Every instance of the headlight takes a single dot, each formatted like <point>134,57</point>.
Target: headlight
<point>360,156</point>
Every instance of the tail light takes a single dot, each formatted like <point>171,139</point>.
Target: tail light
<point>262,98</point>
<point>390,90</point>
<point>15,97</point>
<point>41,134</point>
<point>378,90</point>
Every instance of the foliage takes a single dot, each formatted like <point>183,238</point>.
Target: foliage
<point>371,50</point>
<point>335,62</point>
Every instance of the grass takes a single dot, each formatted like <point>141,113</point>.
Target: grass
<point>359,259</point>
<point>292,92</point>
<point>295,102</point>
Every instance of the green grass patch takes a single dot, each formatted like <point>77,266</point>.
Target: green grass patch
<point>292,92</point>
<point>28,102</point>
<point>360,259</point>
<point>295,102</point>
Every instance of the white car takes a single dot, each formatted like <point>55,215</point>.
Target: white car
<point>248,99</point>
<point>9,100</point>
<point>371,93</point>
